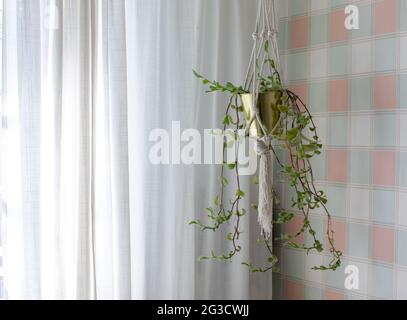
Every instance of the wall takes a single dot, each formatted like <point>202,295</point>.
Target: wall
<point>355,83</point>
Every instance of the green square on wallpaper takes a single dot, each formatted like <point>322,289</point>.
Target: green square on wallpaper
<point>283,35</point>
<point>403,15</point>
<point>360,172</point>
<point>337,201</point>
<point>384,206</point>
<point>339,60</point>
<point>318,96</point>
<point>384,130</point>
<point>402,176</point>
<point>358,244</point>
<point>337,3</point>
<point>294,263</point>
<point>385,54</point>
<point>338,131</point>
<point>319,29</point>
<point>319,166</point>
<point>401,248</point>
<point>297,7</point>
<point>365,22</point>
<point>381,282</point>
<point>361,94</point>
<point>312,293</point>
<point>297,66</point>
<point>403,91</point>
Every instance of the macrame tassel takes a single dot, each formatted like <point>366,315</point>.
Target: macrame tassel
<point>265,207</point>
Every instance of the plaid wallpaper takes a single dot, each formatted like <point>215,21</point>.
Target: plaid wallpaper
<point>355,83</point>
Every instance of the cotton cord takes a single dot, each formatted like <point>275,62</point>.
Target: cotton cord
<point>265,30</point>
<point>265,206</point>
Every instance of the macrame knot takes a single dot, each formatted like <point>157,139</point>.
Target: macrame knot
<point>255,36</point>
<point>263,146</point>
<point>271,33</point>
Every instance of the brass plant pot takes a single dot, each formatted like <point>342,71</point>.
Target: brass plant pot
<point>268,103</point>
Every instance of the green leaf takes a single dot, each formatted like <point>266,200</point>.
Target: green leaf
<point>216,201</point>
<point>272,260</point>
<point>292,134</point>
<point>196,74</point>
<point>240,193</point>
<point>203,258</point>
<point>231,166</point>
<point>266,46</point>
<point>273,64</point>
<point>224,181</point>
<point>227,120</point>
<point>230,236</point>
<point>310,147</point>
<point>230,86</point>
<point>282,108</point>
<point>241,212</point>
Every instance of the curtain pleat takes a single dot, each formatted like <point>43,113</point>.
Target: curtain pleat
<point>111,173</point>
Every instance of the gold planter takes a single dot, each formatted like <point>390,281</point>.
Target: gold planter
<point>268,106</point>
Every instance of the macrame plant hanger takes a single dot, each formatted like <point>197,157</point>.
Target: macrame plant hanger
<point>265,47</point>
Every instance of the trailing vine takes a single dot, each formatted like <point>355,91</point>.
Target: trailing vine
<point>296,133</point>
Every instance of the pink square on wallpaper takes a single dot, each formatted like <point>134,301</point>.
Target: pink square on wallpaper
<point>293,227</point>
<point>338,30</point>
<point>293,290</point>
<point>385,92</point>
<point>301,90</point>
<point>340,236</point>
<point>383,244</point>
<point>338,95</point>
<point>334,295</point>
<point>384,168</point>
<point>337,165</point>
<point>299,32</point>
<point>385,16</point>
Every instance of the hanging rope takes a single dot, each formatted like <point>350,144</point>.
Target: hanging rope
<point>265,30</point>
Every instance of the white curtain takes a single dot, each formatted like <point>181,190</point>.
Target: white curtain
<point>87,215</point>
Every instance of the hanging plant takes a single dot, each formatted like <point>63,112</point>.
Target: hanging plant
<point>279,120</point>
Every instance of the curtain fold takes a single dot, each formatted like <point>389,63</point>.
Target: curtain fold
<point>48,110</point>
<point>85,82</point>
<point>110,159</point>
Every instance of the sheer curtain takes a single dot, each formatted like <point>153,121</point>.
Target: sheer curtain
<point>87,215</point>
